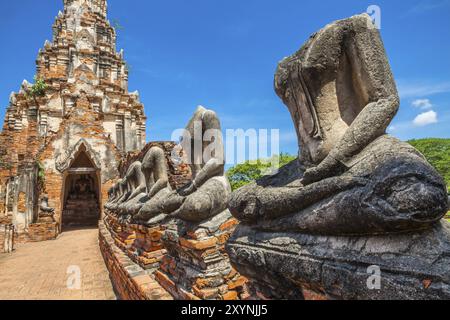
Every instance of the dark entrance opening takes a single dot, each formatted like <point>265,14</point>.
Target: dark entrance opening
<point>81,193</point>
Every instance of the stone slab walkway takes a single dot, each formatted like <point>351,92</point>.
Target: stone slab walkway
<point>69,268</point>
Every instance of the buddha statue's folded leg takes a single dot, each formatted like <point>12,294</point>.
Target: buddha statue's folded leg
<point>121,208</point>
<point>404,194</point>
<point>254,202</point>
<point>209,200</point>
<point>133,206</point>
<point>172,202</point>
<point>152,207</point>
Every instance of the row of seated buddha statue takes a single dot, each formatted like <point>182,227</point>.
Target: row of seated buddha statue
<point>355,198</point>
<point>171,231</point>
<point>145,196</point>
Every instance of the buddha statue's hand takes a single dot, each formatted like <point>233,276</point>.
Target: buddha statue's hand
<point>328,168</point>
<point>245,205</point>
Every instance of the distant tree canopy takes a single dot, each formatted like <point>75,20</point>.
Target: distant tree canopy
<point>437,152</point>
<point>247,172</point>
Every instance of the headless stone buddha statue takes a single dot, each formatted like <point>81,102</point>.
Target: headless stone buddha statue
<point>154,168</point>
<point>123,194</point>
<point>208,193</point>
<point>356,197</point>
<point>44,208</point>
<point>351,178</point>
<point>136,187</point>
<point>113,195</point>
<point>82,189</point>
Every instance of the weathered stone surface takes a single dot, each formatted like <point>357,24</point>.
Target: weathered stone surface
<point>285,265</point>
<point>157,181</point>
<point>130,281</point>
<point>351,178</point>
<point>352,189</point>
<point>208,193</point>
<point>393,190</point>
<point>196,262</point>
<point>142,244</point>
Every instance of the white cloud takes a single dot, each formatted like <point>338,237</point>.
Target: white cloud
<point>422,104</point>
<point>425,119</point>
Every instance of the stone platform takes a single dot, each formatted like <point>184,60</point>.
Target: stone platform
<point>38,232</point>
<point>141,244</point>
<point>174,260</point>
<point>130,281</point>
<point>298,266</point>
<point>196,265</point>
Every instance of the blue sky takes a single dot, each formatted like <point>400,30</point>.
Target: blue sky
<point>223,54</point>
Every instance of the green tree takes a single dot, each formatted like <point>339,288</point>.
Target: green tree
<point>437,152</point>
<point>249,171</point>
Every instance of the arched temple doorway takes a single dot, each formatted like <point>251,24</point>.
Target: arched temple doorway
<point>81,194</point>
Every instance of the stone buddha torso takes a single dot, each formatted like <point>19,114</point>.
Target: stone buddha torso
<point>350,178</point>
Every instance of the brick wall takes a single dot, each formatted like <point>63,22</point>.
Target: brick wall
<point>168,258</point>
<point>130,281</point>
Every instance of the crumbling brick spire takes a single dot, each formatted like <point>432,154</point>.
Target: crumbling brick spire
<point>96,6</point>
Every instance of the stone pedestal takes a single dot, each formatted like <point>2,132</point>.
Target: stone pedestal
<point>141,244</point>
<point>299,266</point>
<point>196,265</point>
<point>7,238</point>
<point>38,232</point>
<point>46,217</point>
<point>130,281</point>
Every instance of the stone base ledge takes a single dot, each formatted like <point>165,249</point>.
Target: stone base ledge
<point>413,266</point>
<point>196,265</point>
<point>38,232</point>
<point>130,281</point>
<point>141,244</point>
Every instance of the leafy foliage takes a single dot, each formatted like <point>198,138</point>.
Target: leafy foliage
<point>249,171</point>
<point>41,175</point>
<point>39,87</point>
<point>437,152</point>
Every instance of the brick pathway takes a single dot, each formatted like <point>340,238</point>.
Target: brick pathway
<point>39,271</point>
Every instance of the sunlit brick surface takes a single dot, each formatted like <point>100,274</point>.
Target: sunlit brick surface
<point>38,271</point>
